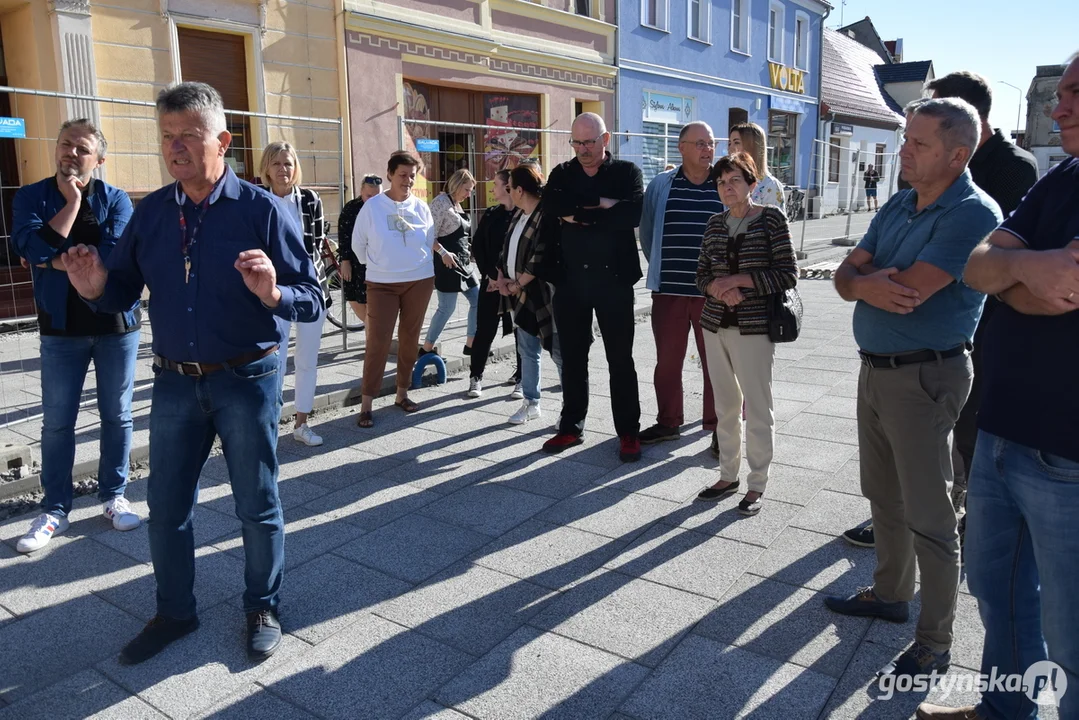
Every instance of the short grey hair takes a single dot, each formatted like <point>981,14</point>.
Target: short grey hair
<point>87,126</point>
<point>194,96</point>
<point>689,126</point>
<point>960,125</point>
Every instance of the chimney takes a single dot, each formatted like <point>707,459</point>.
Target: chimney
<point>899,50</point>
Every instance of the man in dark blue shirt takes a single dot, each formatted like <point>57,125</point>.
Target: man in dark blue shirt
<point>1023,501</point>
<point>227,270</point>
<point>68,209</point>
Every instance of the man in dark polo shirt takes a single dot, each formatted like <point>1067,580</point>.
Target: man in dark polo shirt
<point>50,216</point>
<point>677,206</point>
<point>227,270</point>
<point>1023,505</point>
<point>594,265</point>
<point>913,323</point>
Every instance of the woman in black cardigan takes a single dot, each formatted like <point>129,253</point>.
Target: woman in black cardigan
<point>526,292</point>
<point>746,258</point>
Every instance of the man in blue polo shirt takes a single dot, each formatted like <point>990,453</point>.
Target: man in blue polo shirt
<point>227,270</point>
<point>913,323</point>
<point>1023,502</point>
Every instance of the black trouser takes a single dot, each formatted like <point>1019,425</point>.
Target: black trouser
<point>612,302</point>
<point>488,320</point>
<point>966,427</point>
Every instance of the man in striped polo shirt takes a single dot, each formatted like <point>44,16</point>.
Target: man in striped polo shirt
<point>677,206</point>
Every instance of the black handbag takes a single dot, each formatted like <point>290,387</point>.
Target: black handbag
<point>785,316</point>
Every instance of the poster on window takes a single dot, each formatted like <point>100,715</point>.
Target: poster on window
<point>512,134</point>
<point>418,107</point>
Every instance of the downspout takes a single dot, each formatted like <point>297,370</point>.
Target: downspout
<point>617,72</point>
<point>821,122</point>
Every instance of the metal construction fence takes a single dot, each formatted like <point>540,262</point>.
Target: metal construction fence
<point>134,164</point>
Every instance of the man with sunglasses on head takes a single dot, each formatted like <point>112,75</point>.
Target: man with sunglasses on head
<point>354,273</point>
<point>594,265</point>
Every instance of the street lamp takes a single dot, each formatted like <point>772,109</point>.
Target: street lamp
<point>1018,109</point>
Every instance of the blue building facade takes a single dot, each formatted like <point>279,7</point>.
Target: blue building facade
<point>723,62</point>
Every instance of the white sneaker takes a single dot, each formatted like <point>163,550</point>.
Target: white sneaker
<point>529,410</point>
<point>41,532</point>
<point>119,511</point>
<point>307,436</point>
<point>475,388</point>
<point>518,392</point>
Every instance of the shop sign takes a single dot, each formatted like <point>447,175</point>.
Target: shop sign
<point>785,78</point>
<point>12,128</point>
<point>667,108</point>
<point>426,145</point>
<point>842,129</point>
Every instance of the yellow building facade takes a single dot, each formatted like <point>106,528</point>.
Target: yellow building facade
<point>266,57</point>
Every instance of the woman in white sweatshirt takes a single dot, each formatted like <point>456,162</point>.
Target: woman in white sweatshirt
<point>394,235</point>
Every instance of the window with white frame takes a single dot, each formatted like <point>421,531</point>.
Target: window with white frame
<point>801,41</point>
<point>740,26</point>
<point>654,13</point>
<point>699,16</point>
<point>775,32</point>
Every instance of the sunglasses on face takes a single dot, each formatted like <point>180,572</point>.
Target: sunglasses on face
<point>372,180</point>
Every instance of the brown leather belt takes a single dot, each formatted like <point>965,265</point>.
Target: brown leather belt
<point>199,369</point>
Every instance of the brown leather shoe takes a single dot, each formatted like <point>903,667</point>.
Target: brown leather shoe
<point>928,711</point>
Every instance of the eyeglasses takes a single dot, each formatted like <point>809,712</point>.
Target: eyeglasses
<point>703,144</point>
<point>588,144</point>
<point>372,180</point>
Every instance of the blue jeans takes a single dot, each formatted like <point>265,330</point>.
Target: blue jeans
<point>447,303</point>
<point>241,405</point>
<point>64,362</point>
<point>1022,507</point>
<point>530,348</point>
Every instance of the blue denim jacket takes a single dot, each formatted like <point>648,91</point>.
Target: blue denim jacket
<point>34,206</point>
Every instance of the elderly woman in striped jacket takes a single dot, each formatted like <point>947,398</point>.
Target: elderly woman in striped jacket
<point>746,257</point>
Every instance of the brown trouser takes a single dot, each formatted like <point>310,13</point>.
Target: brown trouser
<point>905,421</point>
<point>385,302</point>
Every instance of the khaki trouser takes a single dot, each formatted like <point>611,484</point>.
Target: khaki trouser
<point>741,366</point>
<point>905,421</point>
<point>385,303</point>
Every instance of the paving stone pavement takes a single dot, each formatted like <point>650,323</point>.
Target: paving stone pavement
<point>440,566</point>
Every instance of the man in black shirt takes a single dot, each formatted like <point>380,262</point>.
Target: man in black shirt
<point>1024,489</point>
<point>871,178</point>
<point>594,265</point>
<point>50,216</point>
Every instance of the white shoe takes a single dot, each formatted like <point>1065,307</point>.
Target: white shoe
<point>119,511</point>
<point>529,410</point>
<point>518,392</point>
<point>41,532</point>
<point>307,436</point>
<point>475,387</point>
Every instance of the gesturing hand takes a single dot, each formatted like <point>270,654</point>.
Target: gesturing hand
<point>70,188</point>
<point>85,271</point>
<point>879,290</point>
<point>1052,275</point>
<point>259,276</point>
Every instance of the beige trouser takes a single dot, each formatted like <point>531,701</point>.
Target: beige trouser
<point>740,366</point>
<point>905,421</point>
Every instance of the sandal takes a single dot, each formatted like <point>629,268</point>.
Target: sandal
<point>365,420</point>
<point>407,405</point>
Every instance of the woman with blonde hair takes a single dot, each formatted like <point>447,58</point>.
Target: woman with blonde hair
<point>454,273</point>
<point>280,173</point>
<point>749,138</point>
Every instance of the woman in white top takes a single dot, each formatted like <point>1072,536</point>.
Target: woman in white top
<point>749,138</point>
<point>394,237</point>
<point>280,172</point>
<point>454,272</point>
